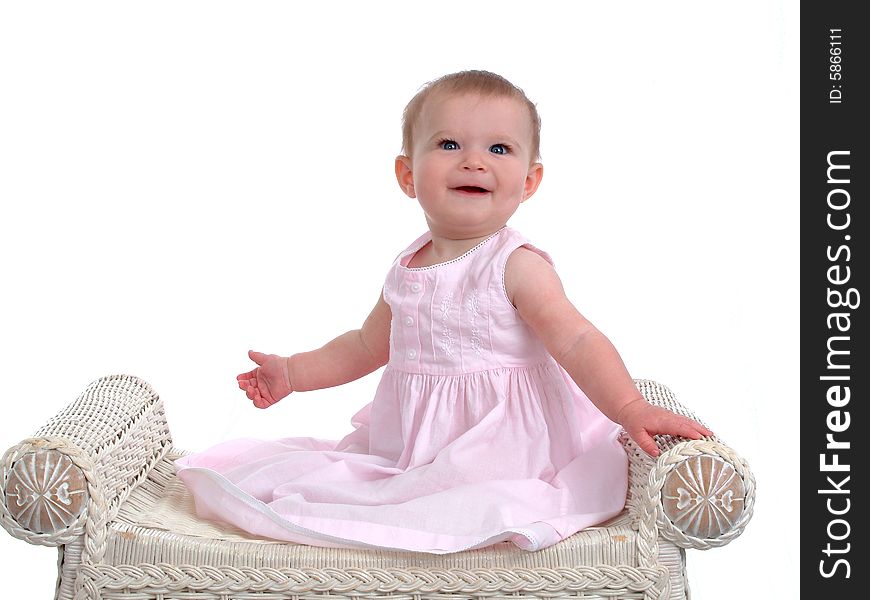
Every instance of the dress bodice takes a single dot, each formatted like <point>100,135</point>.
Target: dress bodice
<point>455,317</point>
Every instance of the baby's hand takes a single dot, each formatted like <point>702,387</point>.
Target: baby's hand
<point>269,382</point>
<point>641,420</point>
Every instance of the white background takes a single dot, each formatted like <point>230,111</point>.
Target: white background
<point>183,181</point>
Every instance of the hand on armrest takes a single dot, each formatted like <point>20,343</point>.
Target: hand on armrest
<point>697,493</point>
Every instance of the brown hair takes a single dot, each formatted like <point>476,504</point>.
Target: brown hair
<point>483,83</point>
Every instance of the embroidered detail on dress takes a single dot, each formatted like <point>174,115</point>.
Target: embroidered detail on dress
<point>472,303</point>
<point>447,340</point>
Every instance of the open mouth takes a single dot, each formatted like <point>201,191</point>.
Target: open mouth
<point>471,189</point>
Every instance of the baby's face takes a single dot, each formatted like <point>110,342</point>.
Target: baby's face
<point>471,163</point>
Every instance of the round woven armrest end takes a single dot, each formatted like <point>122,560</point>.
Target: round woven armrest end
<point>48,487</point>
<point>696,493</point>
<point>703,494</point>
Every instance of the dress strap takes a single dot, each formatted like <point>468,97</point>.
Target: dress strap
<point>413,247</point>
<point>513,240</point>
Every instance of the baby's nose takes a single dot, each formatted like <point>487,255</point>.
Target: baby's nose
<point>473,163</point>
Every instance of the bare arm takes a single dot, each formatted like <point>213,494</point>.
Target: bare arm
<point>346,358</point>
<point>586,354</point>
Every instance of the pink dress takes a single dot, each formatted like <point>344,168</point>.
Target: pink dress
<point>475,435</point>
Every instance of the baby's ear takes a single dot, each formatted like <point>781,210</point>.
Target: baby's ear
<point>533,180</point>
<point>405,176</point>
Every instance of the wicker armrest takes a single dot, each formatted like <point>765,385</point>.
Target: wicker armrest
<point>697,493</point>
<point>77,469</point>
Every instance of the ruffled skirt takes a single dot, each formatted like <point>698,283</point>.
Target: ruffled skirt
<point>434,464</point>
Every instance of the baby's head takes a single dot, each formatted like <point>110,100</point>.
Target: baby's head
<point>470,145</point>
<point>475,83</point>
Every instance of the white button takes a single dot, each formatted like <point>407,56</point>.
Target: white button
<point>416,287</point>
<point>409,321</point>
<point>412,354</point>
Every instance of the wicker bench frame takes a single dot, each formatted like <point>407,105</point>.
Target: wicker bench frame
<point>92,479</point>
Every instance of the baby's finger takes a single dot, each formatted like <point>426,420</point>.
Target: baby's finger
<point>647,444</point>
<point>687,429</point>
<point>643,439</point>
<point>693,425</point>
<point>263,402</point>
<point>247,375</point>
<point>702,431</point>
<point>257,357</point>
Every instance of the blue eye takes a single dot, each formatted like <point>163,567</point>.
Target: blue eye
<point>448,145</point>
<point>499,149</point>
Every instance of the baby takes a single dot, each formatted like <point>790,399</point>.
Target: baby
<point>497,415</point>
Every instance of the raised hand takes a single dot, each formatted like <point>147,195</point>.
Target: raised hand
<point>269,382</point>
<point>641,420</point>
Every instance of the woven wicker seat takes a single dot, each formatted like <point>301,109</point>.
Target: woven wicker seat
<point>98,482</point>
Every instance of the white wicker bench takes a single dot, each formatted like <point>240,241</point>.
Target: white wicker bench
<point>98,482</point>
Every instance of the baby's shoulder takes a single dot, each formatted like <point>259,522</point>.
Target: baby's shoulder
<point>528,268</point>
<point>521,255</point>
<point>515,246</point>
<point>525,257</point>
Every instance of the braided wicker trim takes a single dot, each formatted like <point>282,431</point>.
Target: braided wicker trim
<point>668,461</point>
<point>162,578</point>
